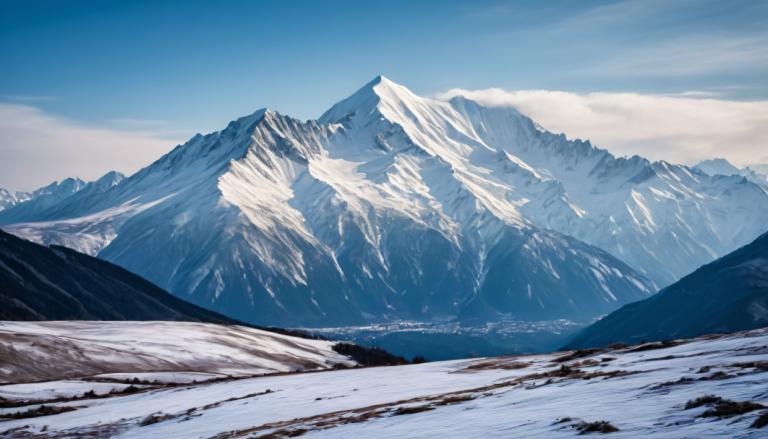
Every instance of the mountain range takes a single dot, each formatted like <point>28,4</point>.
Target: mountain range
<point>396,206</point>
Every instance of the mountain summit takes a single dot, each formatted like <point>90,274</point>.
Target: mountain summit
<point>395,206</point>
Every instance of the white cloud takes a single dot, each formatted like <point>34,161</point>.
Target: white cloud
<point>37,147</point>
<point>676,128</point>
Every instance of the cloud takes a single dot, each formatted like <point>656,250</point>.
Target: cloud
<point>679,128</point>
<point>689,56</point>
<point>37,147</point>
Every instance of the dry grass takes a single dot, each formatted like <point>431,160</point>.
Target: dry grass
<point>43,410</point>
<point>722,408</point>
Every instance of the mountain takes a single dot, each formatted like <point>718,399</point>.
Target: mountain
<point>728,295</point>
<point>56,283</point>
<point>393,206</point>
<point>9,199</point>
<point>56,196</point>
<point>760,168</point>
<point>755,173</point>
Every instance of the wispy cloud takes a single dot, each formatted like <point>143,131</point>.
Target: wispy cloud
<point>37,147</point>
<point>682,129</point>
<point>690,56</point>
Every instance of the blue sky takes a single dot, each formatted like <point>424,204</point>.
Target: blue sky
<point>168,69</point>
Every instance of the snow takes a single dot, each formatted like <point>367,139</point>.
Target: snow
<point>154,347</point>
<point>55,389</point>
<point>500,397</point>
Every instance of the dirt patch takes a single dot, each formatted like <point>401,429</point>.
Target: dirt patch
<point>412,410</point>
<point>497,364</point>
<point>581,353</point>
<point>656,345</point>
<point>455,399</point>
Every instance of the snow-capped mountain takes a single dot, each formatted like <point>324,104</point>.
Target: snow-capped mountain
<point>9,199</point>
<point>392,205</point>
<point>27,205</point>
<point>35,205</point>
<point>757,174</point>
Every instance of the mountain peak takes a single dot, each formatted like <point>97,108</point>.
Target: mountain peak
<point>380,90</point>
<point>718,166</point>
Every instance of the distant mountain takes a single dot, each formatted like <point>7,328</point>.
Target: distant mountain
<point>34,205</point>
<point>56,283</point>
<point>393,206</point>
<point>757,174</point>
<point>9,199</point>
<point>728,295</point>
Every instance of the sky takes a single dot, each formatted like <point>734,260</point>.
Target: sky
<point>90,86</point>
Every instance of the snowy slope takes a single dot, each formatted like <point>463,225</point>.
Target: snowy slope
<point>395,206</point>
<point>640,391</point>
<point>34,351</point>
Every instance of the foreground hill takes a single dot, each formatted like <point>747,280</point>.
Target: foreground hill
<point>648,391</point>
<point>56,283</point>
<point>36,351</point>
<point>730,294</point>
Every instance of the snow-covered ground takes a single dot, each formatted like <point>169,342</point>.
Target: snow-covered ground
<point>34,351</point>
<point>636,390</point>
